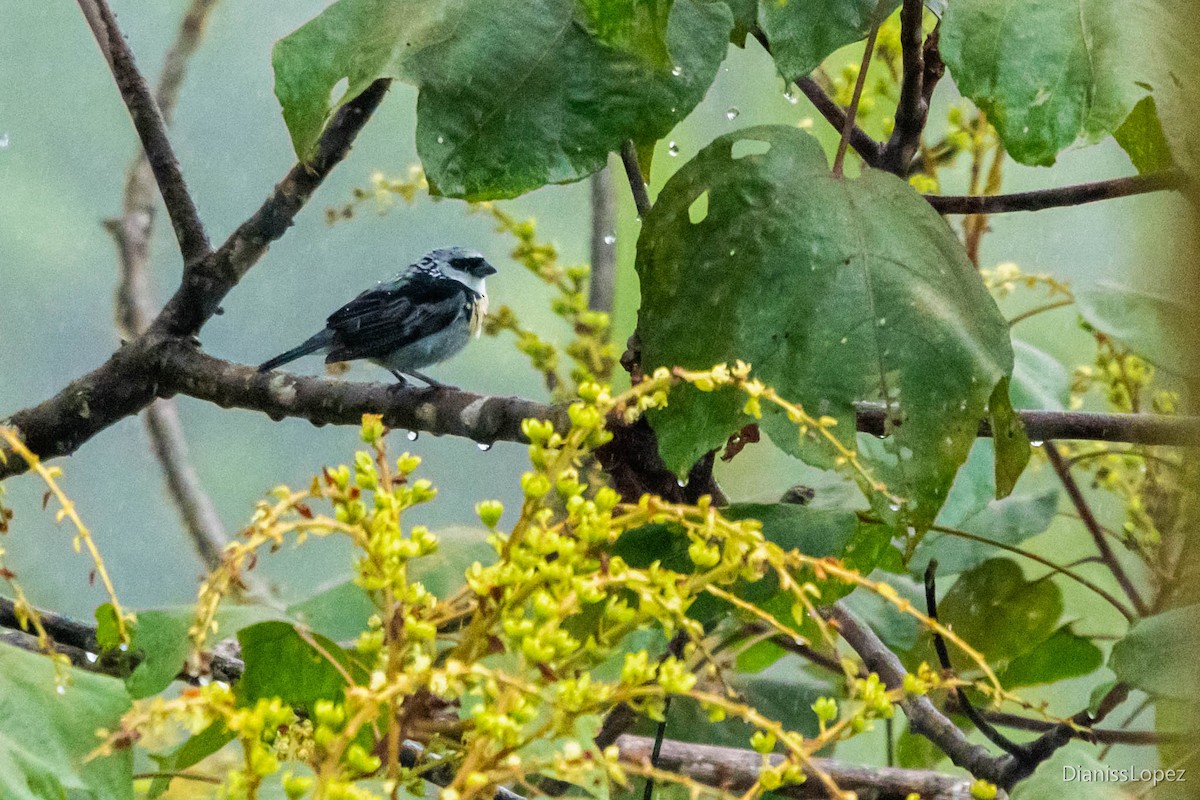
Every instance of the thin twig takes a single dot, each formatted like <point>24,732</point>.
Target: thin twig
<point>964,703</point>
<point>913,107</point>
<point>848,125</point>
<point>148,121</point>
<point>135,307</point>
<point>637,183</point>
<point>603,244</point>
<point>1079,194</point>
<point>1093,527</point>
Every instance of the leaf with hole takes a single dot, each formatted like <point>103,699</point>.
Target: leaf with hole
<point>829,302</point>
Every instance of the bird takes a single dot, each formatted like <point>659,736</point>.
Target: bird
<point>421,317</point>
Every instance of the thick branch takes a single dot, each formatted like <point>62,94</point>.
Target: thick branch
<point>923,716</point>
<point>148,121</point>
<point>735,771</point>
<point>207,283</point>
<point>440,411</point>
<point>1076,195</point>
<point>913,108</point>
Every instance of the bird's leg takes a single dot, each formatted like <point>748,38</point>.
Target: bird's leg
<point>429,380</point>
<point>402,381</point>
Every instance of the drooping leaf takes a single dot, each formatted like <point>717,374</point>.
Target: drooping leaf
<point>803,33</point>
<point>1160,653</point>
<point>1064,655</point>
<point>1051,72</point>
<point>281,663</point>
<point>1069,774</point>
<point>997,611</point>
<point>513,96</point>
<point>1010,443</point>
<point>828,303</point>
<point>1039,380</point>
<point>45,737</point>
<point>194,750</point>
<point>1141,136</point>
<point>1152,326</point>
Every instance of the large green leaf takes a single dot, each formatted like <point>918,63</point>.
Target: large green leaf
<point>280,662</point>
<point>1160,653</point>
<point>835,290</point>
<point>1051,72</point>
<point>803,32</point>
<point>513,95</point>
<point>1064,655</point>
<point>996,610</point>
<point>45,737</point>
<point>1039,379</point>
<point>1155,327</point>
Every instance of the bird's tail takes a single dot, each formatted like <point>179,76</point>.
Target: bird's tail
<point>314,344</point>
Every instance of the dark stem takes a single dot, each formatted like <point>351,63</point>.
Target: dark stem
<point>964,703</point>
<point>1076,195</point>
<point>913,108</point>
<point>637,183</point>
<point>1093,527</point>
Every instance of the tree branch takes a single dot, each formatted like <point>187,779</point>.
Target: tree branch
<point>913,108</point>
<point>637,183</point>
<point>1093,527</point>
<point>1076,195</point>
<point>603,244</point>
<point>148,121</point>
<point>207,282</point>
<point>923,716</point>
<point>134,307</point>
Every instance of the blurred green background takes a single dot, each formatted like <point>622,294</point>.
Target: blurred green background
<point>65,142</point>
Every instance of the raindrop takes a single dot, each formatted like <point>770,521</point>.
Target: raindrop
<point>610,239</point>
<point>680,483</point>
<point>204,680</point>
<point>412,436</point>
<point>441,140</point>
<point>123,647</point>
<point>677,71</point>
<point>1036,444</point>
<point>845,339</point>
<point>60,689</point>
<point>91,657</point>
<point>4,140</point>
<point>882,321</point>
<point>673,149</point>
<point>894,506</point>
<point>733,251</point>
<point>732,114</point>
<point>790,96</point>
<point>484,446</point>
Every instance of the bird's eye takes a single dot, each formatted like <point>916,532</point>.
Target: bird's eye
<point>468,263</point>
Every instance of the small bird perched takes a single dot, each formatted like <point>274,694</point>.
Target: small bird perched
<point>421,317</point>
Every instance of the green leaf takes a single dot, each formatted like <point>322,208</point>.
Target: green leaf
<point>280,663</point>
<point>973,508</point>
<point>1154,327</point>
<point>108,631</point>
<point>1064,655</point>
<point>46,737</point>
<point>1009,440</point>
<point>830,304</point>
<point>1160,653</point>
<point>803,32</point>
<point>513,96</point>
<point>1059,777</point>
<point>1039,380</point>
<point>161,638</point>
<point>197,748</point>
<point>997,611</point>
<point>1141,136</point>
<point>1051,72</point>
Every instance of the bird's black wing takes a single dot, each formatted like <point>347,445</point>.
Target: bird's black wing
<point>392,315</point>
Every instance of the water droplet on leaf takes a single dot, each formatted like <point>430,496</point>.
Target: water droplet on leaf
<point>673,149</point>
<point>484,446</point>
<point>790,96</point>
<point>732,114</point>
<point>677,71</point>
<point>610,239</point>
<point>412,436</point>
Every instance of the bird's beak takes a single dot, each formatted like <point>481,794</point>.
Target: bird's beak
<point>486,269</point>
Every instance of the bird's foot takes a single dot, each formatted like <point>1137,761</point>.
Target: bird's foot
<point>430,381</point>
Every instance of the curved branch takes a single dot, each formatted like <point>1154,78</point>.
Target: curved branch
<point>1076,195</point>
<point>148,121</point>
<point>913,107</point>
<point>206,283</point>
